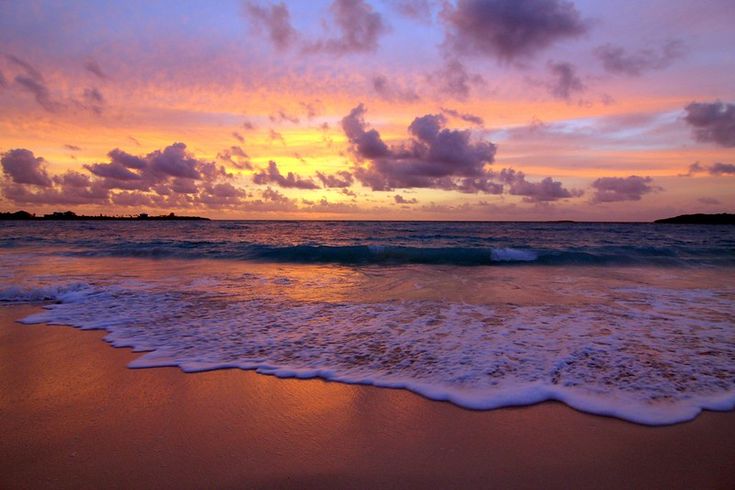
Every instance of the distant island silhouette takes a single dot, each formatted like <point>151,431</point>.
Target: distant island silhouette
<point>71,216</point>
<point>700,219</point>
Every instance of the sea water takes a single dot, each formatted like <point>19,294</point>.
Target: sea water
<point>635,321</point>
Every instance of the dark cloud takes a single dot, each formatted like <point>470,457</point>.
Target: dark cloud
<point>717,168</point>
<point>247,125</point>
<point>29,69</point>
<point>33,82</point>
<point>564,82</point>
<point>113,170</point>
<point>94,68</point>
<point>366,142</point>
<point>509,30</point>
<point>23,167</point>
<point>340,179</point>
<point>612,189</point>
<point>72,147</point>
<point>236,157</point>
<point>389,92</point>
<point>543,191</point>
<point>359,26</point>
<point>712,122</point>
<point>436,157</point>
<point>470,118</point>
<point>276,19</point>
<point>399,199</point>
<point>615,59</point>
<point>272,175</point>
<point>93,100</point>
<point>722,169</point>
<point>39,91</point>
<point>454,80</point>
<point>281,116</point>
<point>167,178</point>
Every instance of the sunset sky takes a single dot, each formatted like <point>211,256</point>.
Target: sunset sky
<point>369,109</point>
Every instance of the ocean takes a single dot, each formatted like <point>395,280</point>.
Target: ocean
<point>635,321</point>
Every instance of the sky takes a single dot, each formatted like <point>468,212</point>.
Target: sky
<point>369,109</point>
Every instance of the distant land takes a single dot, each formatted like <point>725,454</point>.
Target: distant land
<point>71,216</point>
<point>684,219</point>
<point>700,219</point>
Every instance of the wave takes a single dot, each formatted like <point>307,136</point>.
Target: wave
<point>400,255</point>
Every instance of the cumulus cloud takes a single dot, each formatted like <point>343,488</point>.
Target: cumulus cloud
<point>399,199</point>
<point>22,167</point>
<point>615,59</point>
<point>436,157</point>
<point>271,175</point>
<point>340,179</point>
<point>612,189</point>
<point>359,28</point>
<point>509,30</point>
<point>169,178</point>
<point>717,169</point>
<point>564,80</point>
<point>275,19</point>
<point>543,191</point>
<point>470,118</point>
<point>712,122</point>
<point>439,158</point>
<point>389,92</point>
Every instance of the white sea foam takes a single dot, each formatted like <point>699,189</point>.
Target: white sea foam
<point>642,356</point>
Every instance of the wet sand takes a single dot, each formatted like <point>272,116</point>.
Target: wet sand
<point>73,416</point>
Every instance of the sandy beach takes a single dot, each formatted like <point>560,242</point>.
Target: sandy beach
<point>73,416</point>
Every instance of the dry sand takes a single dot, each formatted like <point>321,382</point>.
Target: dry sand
<point>73,416</point>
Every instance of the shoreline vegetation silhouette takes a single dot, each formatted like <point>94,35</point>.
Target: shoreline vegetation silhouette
<point>71,216</point>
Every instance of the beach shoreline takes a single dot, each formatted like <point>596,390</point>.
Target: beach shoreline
<point>74,415</point>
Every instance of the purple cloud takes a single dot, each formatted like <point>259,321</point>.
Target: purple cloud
<point>565,81</point>
<point>359,26</point>
<point>399,199</point>
<point>436,157</point>
<point>712,122</point>
<point>341,179</point>
<point>454,80</point>
<point>272,175</point>
<point>94,68</point>
<point>613,189</point>
<point>470,118</point>
<point>509,30</point>
<point>616,59</point>
<point>276,19</point>
<point>389,92</point>
<point>543,191</point>
<point>23,167</point>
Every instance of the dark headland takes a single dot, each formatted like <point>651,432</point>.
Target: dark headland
<point>701,219</point>
<point>71,216</point>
